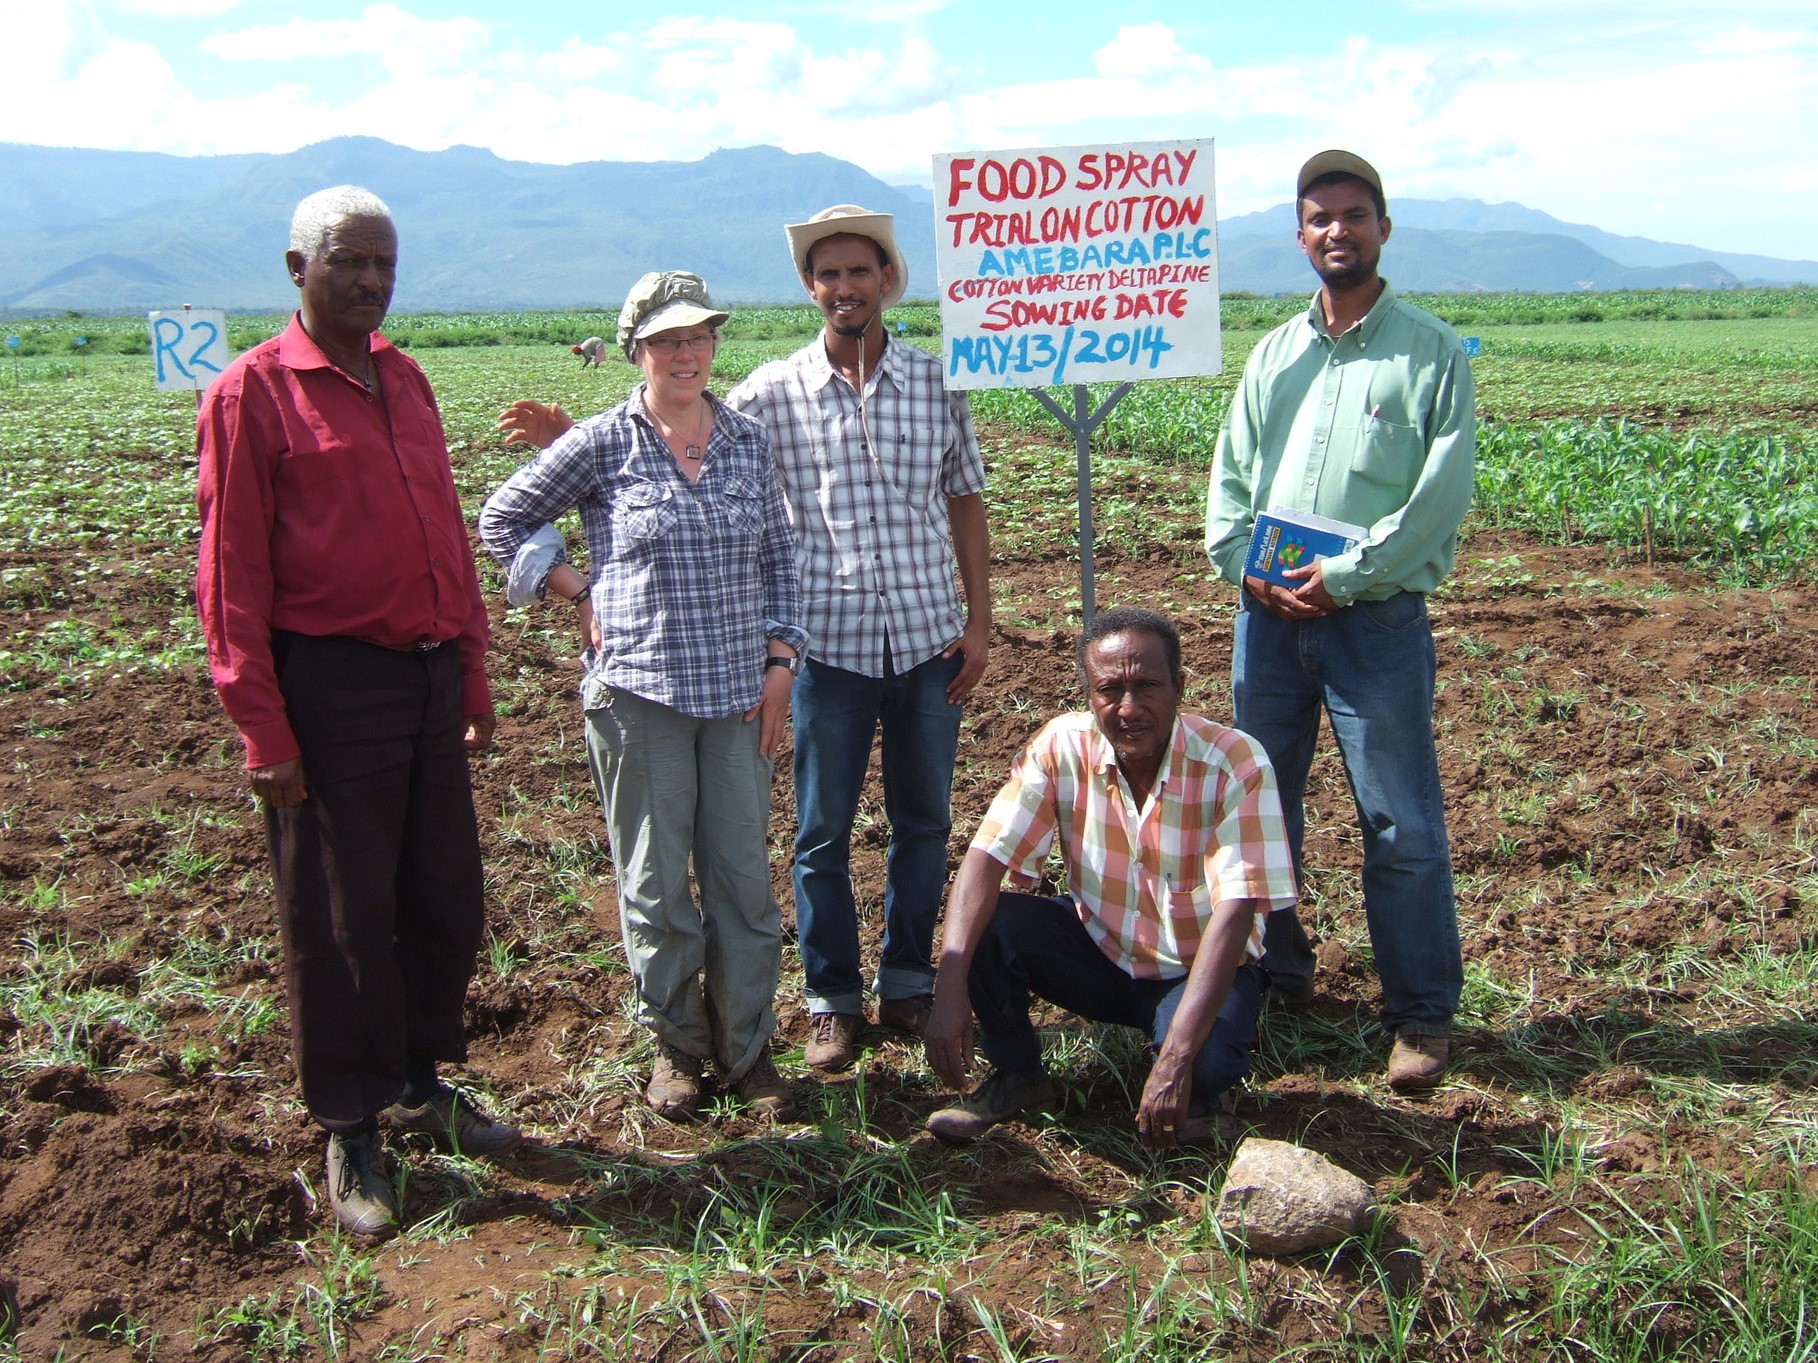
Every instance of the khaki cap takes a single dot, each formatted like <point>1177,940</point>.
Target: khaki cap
<point>663,300</point>
<point>1337,163</point>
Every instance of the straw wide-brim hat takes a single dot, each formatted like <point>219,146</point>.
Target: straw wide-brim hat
<point>860,222</point>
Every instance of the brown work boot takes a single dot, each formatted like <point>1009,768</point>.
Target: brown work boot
<point>675,1083</point>
<point>906,1015</point>
<point>998,1099</point>
<point>835,1044</point>
<point>455,1124</point>
<point>765,1091</point>
<point>1418,1062</point>
<point>360,1187</point>
<point>1211,1122</point>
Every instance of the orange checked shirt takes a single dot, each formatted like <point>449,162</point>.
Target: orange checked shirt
<point>1145,881</point>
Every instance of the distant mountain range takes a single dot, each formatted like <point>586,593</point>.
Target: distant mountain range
<point>102,231</point>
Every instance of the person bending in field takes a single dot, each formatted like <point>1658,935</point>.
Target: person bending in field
<point>1172,836</point>
<point>592,352</point>
<point>347,639</point>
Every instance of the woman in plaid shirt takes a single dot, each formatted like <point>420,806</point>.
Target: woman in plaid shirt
<point>691,616</point>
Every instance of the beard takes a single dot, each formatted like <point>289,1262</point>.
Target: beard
<point>852,330</point>
<point>1347,276</point>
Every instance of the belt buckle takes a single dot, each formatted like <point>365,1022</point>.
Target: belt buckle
<point>426,645</point>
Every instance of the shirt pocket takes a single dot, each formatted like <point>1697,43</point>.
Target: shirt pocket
<point>1189,910</point>
<point>1390,453</point>
<point>643,512</point>
<point>744,503</point>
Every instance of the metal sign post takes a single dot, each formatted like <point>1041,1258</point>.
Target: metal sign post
<point>1082,421</point>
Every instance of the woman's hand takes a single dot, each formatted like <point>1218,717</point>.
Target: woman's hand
<point>591,638</point>
<point>773,709</point>
<point>534,423</point>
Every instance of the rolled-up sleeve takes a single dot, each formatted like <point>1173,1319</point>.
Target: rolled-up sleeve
<point>517,522</point>
<point>783,619</point>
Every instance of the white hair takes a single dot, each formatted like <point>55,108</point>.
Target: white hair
<point>323,209</point>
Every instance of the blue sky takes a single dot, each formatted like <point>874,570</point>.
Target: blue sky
<point>1666,119</point>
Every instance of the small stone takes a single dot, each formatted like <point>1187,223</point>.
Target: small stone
<point>1279,1198</point>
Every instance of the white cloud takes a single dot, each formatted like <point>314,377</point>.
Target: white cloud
<point>573,62</point>
<point>402,42</point>
<point>179,9</point>
<point>1149,51</point>
<point>1658,119</point>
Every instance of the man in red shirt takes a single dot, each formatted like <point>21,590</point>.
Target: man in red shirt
<point>347,641</point>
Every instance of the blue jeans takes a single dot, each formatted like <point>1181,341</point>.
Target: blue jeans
<point>836,712</point>
<point>1038,946</point>
<point>1370,666</point>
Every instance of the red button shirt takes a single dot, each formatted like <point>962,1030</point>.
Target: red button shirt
<point>326,510</point>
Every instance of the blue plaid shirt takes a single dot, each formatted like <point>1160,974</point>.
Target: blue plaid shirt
<point>689,580</point>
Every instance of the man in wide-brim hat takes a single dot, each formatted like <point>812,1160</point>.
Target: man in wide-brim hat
<point>885,484</point>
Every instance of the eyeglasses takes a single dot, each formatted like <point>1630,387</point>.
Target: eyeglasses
<point>669,345</point>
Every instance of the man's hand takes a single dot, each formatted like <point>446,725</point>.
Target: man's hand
<point>947,1039</point>
<point>1309,601</point>
<point>534,423</point>
<point>280,785</point>
<point>479,731</point>
<point>772,709</point>
<point>1167,1094</point>
<point>975,647</point>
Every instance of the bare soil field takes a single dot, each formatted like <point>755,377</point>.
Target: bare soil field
<point>1631,774</point>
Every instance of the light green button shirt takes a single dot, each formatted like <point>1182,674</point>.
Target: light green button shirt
<point>1377,427</point>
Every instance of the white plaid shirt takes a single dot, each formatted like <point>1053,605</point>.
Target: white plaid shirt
<point>873,546</point>
<point>689,580</point>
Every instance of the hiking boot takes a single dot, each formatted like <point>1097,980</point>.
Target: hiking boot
<point>906,1015</point>
<point>765,1091</point>
<point>360,1189</point>
<point>675,1083</point>
<point>835,1044</point>
<point>997,1099</point>
<point>1209,1123</point>
<point>1418,1062</point>
<point>1295,993</point>
<point>456,1124</point>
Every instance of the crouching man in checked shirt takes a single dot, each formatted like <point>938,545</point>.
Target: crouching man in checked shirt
<point>1172,837</point>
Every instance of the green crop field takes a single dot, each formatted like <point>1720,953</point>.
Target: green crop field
<point>1621,1169</point>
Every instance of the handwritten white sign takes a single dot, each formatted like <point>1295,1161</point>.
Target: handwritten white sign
<point>189,348</point>
<point>1065,265</point>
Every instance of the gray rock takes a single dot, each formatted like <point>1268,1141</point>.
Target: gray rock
<point>1280,1199</point>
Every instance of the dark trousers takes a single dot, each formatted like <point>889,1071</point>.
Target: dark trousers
<point>378,872</point>
<point>1038,946</point>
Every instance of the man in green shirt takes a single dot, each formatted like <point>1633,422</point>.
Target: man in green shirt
<point>1362,410</point>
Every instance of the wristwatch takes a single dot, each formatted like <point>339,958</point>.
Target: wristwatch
<point>777,660</point>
